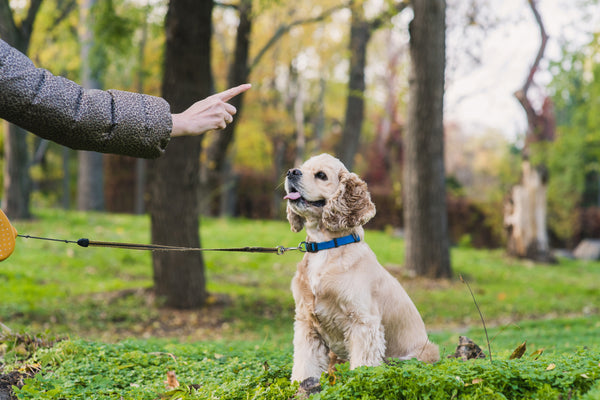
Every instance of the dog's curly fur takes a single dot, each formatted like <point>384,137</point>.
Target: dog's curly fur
<point>347,304</point>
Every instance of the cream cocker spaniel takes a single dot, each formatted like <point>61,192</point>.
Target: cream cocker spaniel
<point>346,302</point>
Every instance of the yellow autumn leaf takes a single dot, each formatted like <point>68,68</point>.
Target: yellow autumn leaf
<point>536,354</point>
<point>550,367</point>
<point>519,351</point>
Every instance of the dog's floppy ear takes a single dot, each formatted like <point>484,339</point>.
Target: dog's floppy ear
<point>296,221</point>
<point>350,206</point>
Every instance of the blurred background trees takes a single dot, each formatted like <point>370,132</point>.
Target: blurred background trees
<point>327,76</point>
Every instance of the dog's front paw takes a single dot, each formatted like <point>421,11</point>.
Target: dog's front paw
<point>307,387</point>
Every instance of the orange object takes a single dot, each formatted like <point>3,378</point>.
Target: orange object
<point>8,233</point>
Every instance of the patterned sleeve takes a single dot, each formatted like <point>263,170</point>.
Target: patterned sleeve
<point>60,110</point>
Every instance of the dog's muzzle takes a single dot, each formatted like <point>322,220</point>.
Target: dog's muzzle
<point>293,194</point>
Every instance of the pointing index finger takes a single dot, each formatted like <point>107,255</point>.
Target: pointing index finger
<point>234,91</point>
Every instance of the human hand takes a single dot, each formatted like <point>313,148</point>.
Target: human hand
<point>211,113</point>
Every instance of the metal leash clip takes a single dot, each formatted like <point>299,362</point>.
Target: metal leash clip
<point>281,249</point>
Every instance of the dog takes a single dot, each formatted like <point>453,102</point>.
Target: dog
<point>347,304</point>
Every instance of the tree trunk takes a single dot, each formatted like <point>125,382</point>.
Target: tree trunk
<point>360,33</point>
<point>218,180</point>
<point>17,182</point>
<point>174,178</point>
<point>140,164</point>
<point>66,180</point>
<point>90,175</point>
<point>427,242</point>
<point>298,89</point>
<point>90,181</point>
<point>120,183</point>
<point>525,210</point>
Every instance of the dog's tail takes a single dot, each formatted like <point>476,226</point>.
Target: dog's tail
<point>429,353</point>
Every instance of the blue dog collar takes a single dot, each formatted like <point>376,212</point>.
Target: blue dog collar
<point>313,247</point>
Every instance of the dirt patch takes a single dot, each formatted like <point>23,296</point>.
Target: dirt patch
<point>409,279</point>
<point>205,323</point>
<point>15,378</point>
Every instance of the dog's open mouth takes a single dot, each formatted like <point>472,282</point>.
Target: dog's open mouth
<point>295,196</point>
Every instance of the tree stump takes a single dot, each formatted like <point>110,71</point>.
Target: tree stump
<point>525,216</point>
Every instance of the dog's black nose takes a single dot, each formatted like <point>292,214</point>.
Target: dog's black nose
<point>293,173</point>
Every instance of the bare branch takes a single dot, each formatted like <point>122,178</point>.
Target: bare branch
<point>521,94</point>
<point>540,53</point>
<point>283,29</point>
<point>65,10</point>
<point>27,24</point>
<point>383,18</point>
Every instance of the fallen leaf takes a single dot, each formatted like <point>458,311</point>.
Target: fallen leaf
<point>519,351</point>
<point>536,354</point>
<point>475,381</point>
<point>171,381</point>
<point>550,367</point>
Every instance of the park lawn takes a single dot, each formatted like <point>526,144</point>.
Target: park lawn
<point>100,299</point>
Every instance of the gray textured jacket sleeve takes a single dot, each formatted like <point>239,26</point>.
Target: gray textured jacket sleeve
<point>60,110</point>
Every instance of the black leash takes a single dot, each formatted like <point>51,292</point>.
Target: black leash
<point>83,242</point>
<point>311,247</point>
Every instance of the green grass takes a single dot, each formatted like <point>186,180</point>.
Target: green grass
<point>99,296</point>
<point>58,286</point>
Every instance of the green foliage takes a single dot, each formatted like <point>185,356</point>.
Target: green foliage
<point>112,38</point>
<point>574,155</point>
<point>138,369</point>
<point>477,379</point>
<point>237,370</point>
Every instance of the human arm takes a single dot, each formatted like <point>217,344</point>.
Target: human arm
<point>58,109</point>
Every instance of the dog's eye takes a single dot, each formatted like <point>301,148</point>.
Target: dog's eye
<point>321,175</point>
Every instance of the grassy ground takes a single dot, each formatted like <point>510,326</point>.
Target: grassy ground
<point>103,295</point>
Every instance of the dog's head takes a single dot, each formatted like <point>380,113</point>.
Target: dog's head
<point>323,191</point>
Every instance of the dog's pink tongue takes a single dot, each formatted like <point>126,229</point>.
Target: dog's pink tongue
<point>292,196</point>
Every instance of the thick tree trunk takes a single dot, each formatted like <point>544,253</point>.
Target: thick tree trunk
<point>360,33</point>
<point>175,177</point>
<point>427,242</point>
